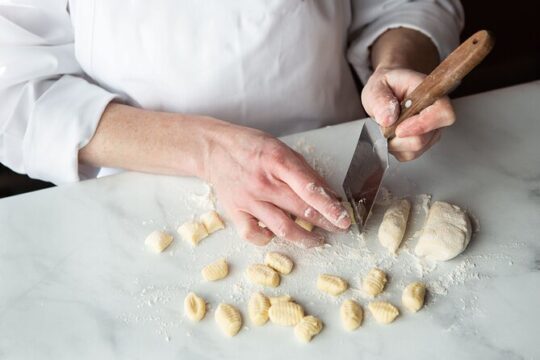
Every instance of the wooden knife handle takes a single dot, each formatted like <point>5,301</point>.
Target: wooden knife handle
<point>444,77</point>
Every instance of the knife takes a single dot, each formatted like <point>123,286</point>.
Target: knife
<point>370,159</point>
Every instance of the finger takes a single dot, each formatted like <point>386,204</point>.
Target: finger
<point>403,82</point>
<point>282,225</point>
<point>410,143</point>
<point>438,115</point>
<point>411,155</point>
<point>380,102</point>
<point>249,229</point>
<point>286,199</point>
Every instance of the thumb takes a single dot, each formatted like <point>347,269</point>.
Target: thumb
<point>380,102</point>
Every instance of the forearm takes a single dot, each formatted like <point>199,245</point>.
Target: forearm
<point>404,48</point>
<point>148,141</point>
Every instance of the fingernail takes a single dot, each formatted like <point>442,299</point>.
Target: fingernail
<point>343,220</point>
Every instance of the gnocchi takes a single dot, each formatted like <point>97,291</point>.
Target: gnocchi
<point>286,313</point>
<point>330,284</point>
<point>351,314</point>
<point>258,306</point>
<point>282,298</point>
<point>304,224</point>
<point>307,328</point>
<point>263,275</point>
<point>158,241</point>
<point>192,232</point>
<point>374,282</point>
<point>228,319</point>
<point>279,262</point>
<point>383,312</point>
<point>212,222</point>
<point>394,224</point>
<point>215,271</point>
<point>413,296</point>
<point>194,307</point>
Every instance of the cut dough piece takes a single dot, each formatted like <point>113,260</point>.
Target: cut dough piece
<point>279,262</point>
<point>330,284</point>
<point>446,233</point>
<point>394,224</point>
<point>304,224</point>
<point>383,312</point>
<point>258,307</point>
<point>215,271</point>
<point>228,319</point>
<point>282,298</point>
<point>158,241</point>
<point>193,232</point>
<point>212,222</point>
<point>352,315</point>
<point>413,296</point>
<point>307,328</point>
<point>194,307</point>
<point>263,275</point>
<point>374,282</point>
<point>286,313</point>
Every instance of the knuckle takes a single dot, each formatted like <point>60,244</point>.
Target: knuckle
<point>276,152</point>
<point>417,143</point>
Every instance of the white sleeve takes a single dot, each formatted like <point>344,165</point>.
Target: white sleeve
<point>440,20</point>
<point>49,110</point>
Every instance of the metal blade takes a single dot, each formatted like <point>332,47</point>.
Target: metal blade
<point>365,174</point>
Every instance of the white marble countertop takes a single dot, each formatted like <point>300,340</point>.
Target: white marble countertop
<point>77,283</point>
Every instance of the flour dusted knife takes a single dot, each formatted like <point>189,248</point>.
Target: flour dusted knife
<point>370,158</point>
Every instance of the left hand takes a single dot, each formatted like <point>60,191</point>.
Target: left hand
<point>381,97</point>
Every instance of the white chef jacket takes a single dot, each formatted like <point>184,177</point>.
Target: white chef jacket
<point>278,65</point>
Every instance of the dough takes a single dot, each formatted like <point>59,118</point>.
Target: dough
<point>215,271</point>
<point>413,296</point>
<point>304,224</point>
<point>279,262</point>
<point>228,319</point>
<point>383,312</point>
<point>192,232</point>
<point>194,307</point>
<point>351,314</point>
<point>307,328</point>
<point>258,307</point>
<point>212,222</point>
<point>286,313</point>
<point>330,284</point>
<point>374,282</point>
<point>446,233</point>
<point>394,224</point>
<point>263,275</point>
<point>158,241</point>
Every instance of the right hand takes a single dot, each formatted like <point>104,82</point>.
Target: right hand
<point>256,178</point>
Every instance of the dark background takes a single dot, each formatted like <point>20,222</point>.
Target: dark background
<point>514,60</point>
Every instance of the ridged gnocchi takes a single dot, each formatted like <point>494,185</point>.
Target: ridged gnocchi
<point>212,222</point>
<point>228,319</point>
<point>330,284</point>
<point>192,232</point>
<point>374,282</point>
<point>286,313</point>
<point>307,328</point>
<point>158,241</point>
<point>263,275</point>
<point>279,262</point>
<point>258,307</point>
<point>216,270</point>
<point>306,225</point>
<point>394,224</point>
<point>281,298</point>
<point>194,307</point>
<point>383,312</point>
<point>413,296</point>
<point>351,314</point>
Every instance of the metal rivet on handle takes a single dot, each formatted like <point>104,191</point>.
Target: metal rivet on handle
<point>408,103</point>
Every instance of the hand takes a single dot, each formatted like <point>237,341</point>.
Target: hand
<point>258,178</point>
<point>381,97</point>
